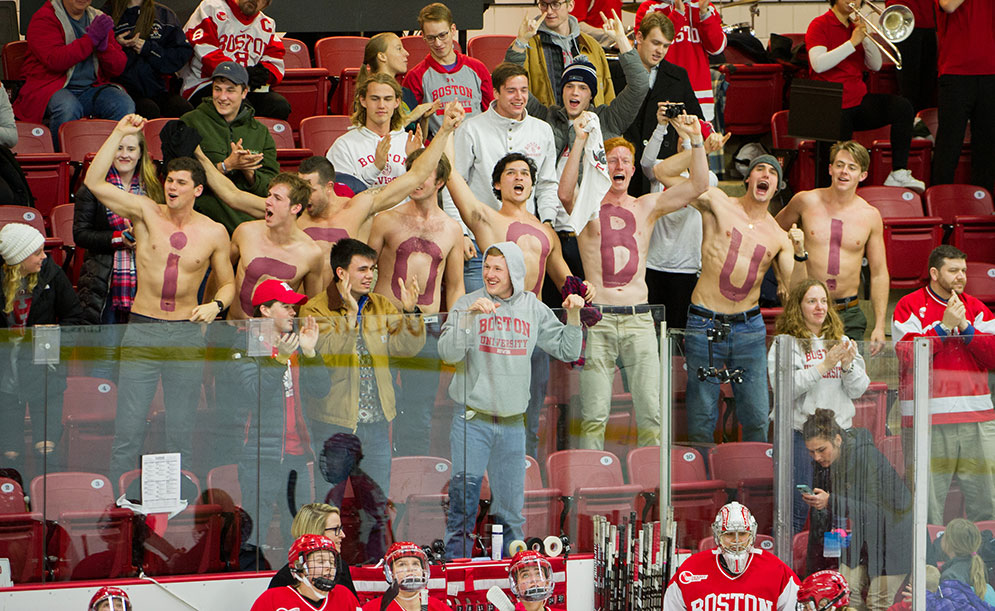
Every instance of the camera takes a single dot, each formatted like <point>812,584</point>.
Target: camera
<point>674,109</point>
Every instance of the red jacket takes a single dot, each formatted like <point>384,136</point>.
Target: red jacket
<point>50,59</point>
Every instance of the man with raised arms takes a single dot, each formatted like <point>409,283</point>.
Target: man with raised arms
<point>512,180</point>
<point>174,247</point>
<point>613,248</point>
<point>417,240</point>
<point>740,240</point>
<point>840,230</point>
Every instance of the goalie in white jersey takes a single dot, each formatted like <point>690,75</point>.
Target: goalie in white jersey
<point>735,576</point>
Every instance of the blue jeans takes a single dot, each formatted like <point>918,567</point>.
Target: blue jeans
<point>538,384</point>
<point>480,444</point>
<point>745,347</point>
<point>419,384</point>
<point>103,102</point>
<point>801,469</point>
<point>473,270</point>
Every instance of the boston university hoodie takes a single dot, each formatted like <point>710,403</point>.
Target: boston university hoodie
<point>495,350</point>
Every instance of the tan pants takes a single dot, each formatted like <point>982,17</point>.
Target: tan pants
<point>881,590</point>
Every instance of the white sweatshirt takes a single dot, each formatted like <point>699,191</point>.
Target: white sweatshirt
<point>354,151</point>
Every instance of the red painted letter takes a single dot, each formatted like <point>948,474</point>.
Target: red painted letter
<point>407,248</point>
<point>611,238</point>
<point>326,234</point>
<point>516,231</point>
<point>726,287</point>
<point>835,241</point>
<point>170,276</point>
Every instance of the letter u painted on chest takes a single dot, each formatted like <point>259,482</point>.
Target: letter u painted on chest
<point>410,247</point>
<point>614,237</point>
<point>729,290</point>
<point>516,231</point>
<point>326,234</point>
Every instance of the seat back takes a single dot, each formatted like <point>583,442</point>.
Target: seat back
<point>643,466</point>
<point>736,461</point>
<point>572,469</point>
<point>318,133</point>
<point>11,496</point>
<point>88,412</point>
<point>84,136</point>
<point>71,491</point>
<point>489,48</point>
<point>799,550</point>
<point>334,53</point>
<point>893,202</point>
<point>976,239</point>
<point>152,130</point>
<point>533,474</point>
<point>297,54</point>
<point>225,479</point>
<point>755,93</point>
<point>12,58</point>
<point>981,280</point>
<point>416,47</point>
<point>345,92</point>
<point>283,136</point>
<point>907,244</point>
<point>22,214</point>
<point>779,132</point>
<point>62,224</point>
<point>33,138</point>
<point>22,542</point>
<point>418,475</point>
<point>948,201</point>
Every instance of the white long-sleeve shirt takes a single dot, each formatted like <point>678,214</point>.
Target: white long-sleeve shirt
<point>484,139</point>
<point>354,151</point>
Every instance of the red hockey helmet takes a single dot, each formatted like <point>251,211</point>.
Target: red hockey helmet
<point>304,545</point>
<point>531,576</point>
<point>110,594</point>
<point>823,590</point>
<point>406,549</point>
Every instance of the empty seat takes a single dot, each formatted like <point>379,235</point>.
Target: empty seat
<point>304,86</point>
<point>878,144</point>
<point>748,468</point>
<point>592,484</point>
<point>82,137</point>
<point>334,53</point>
<point>297,54</point>
<point>489,48</point>
<point>542,505</point>
<point>288,155</point>
<point>755,92</point>
<point>225,479</point>
<point>345,93</point>
<point>46,171</point>
<point>799,551</point>
<point>89,407</point>
<point>909,237</point>
<point>951,201</point>
<point>981,281</point>
<point>21,534</point>
<point>318,133</point>
<point>419,491</point>
<point>417,48</point>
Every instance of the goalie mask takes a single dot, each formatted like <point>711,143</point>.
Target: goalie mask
<point>116,599</point>
<point>312,561</point>
<point>531,576</point>
<point>412,573</point>
<point>734,530</point>
<point>822,591</point>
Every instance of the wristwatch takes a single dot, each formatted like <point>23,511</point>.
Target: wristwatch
<point>802,257</point>
<point>221,304</point>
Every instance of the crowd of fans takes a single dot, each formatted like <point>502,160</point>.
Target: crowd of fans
<point>525,199</point>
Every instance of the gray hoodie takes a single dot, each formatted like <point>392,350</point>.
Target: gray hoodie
<point>495,350</point>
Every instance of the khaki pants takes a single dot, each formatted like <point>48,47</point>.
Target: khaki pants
<point>881,590</point>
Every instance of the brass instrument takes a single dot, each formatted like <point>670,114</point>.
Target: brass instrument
<point>894,24</point>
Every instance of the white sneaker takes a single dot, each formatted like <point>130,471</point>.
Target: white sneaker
<point>904,178</point>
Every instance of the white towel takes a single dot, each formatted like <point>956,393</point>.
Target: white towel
<point>594,182</point>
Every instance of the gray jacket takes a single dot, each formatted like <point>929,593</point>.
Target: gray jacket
<point>615,116</point>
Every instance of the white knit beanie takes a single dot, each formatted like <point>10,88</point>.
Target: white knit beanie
<point>18,242</point>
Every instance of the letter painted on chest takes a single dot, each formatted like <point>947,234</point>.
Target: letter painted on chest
<point>256,269</point>
<point>614,237</point>
<point>517,231</point>
<point>835,241</point>
<point>407,248</point>
<point>726,287</point>
<point>326,234</point>
<point>170,276</point>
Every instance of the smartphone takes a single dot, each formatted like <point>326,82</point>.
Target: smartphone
<point>803,488</point>
<point>127,234</point>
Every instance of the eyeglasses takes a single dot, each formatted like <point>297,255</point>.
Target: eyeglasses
<point>555,5</point>
<point>438,37</point>
<point>335,530</point>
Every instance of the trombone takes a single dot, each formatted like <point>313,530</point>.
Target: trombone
<point>894,24</point>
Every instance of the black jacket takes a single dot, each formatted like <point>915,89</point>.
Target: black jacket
<point>671,85</point>
<point>52,300</point>
<point>864,487</point>
<point>92,232</point>
<point>165,51</point>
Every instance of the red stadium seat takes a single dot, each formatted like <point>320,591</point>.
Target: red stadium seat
<point>975,236</point>
<point>88,413</point>
<point>82,137</point>
<point>151,131</point>
<point>287,154</point>
<point>12,58</point>
<point>878,144</point>
<point>748,468</point>
<point>872,410</point>
<point>22,541</point>
<point>801,170</point>
<point>934,531</point>
<point>951,201</point>
<point>489,48</point>
<point>416,47</point>
<point>304,86</point>
<point>981,281</point>
<point>962,175</point>
<point>28,216</point>
<point>799,550</point>
<point>318,133</point>
<point>419,491</point>
<point>335,53</point>
<point>297,54</point>
<point>542,505</point>
<point>891,447</point>
<point>345,92</point>
<point>909,237</point>
<point>225,479</point>
<point>61,221</point>
<point>48,172</point>
<point>33,138</point>
<point>94,536</point>
<point>755,93</point>
<point>884,80</point>
<point>592,484</point>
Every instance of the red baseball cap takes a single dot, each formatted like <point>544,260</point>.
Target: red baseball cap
<point>272,289</point>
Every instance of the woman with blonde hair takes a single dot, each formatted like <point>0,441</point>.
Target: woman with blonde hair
<point>385,54</point>
<point>961,541</point>
<point>828,372</point>
<point>318,519</point>
<point>33,291</point>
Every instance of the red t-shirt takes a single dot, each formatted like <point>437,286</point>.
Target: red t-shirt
<point>827,31</point>
<point>966,38</point>
<point>589,11</point>
<point>288,598</point>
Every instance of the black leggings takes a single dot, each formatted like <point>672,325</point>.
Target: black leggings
<point>875,110</point>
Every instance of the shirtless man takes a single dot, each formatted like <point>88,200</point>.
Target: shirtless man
<point>417,240</point>
<point>174,246</point>
<point>840,230</point>
<point>613,248</point>
<point>512,180</point>
<point>740,240</point>
<point>274,247</point>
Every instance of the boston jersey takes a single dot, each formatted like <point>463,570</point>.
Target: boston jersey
<point>354,153</point>
<point>701,584</point>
